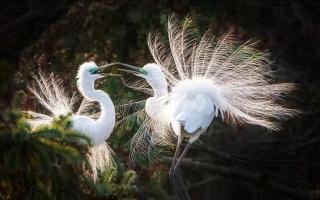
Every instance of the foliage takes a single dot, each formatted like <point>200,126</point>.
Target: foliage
<point>50,162</point>
<point>43,163</point>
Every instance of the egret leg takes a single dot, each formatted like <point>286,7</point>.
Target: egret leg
<point>184,153</point>
<point>177,130</point>
<point>175,157</point>
<point>174,160</point>
<point>175,176</point>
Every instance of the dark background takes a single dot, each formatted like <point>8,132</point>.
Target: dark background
<point>231,163</point>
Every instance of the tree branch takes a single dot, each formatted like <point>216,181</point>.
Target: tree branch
<point>262,180</point>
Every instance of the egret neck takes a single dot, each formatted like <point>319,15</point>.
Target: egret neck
<point>160,91</point>
<point>154,105</point>
<point>104,122</point>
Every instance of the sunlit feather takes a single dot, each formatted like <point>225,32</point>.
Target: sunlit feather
<point>233,80</point>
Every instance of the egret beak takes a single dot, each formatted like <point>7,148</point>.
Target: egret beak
<point>135,71</point>
<point>101,69</point>
<point>139,72</point>
<point>109,74</point>
<point>132,69</point>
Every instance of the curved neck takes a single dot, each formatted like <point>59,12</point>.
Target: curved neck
<point>159,89</point>
<point>106,121</point>
<point>155,104</point>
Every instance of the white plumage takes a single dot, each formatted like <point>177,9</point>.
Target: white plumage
<point>195,81</point>
<point>194,103</point>
<point>236,78</point>
<point>97,126</point>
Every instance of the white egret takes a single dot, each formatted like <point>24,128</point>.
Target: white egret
<point>195,82</point>
<point>98,126</point>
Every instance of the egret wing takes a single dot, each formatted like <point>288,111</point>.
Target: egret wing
<point>50,93</point>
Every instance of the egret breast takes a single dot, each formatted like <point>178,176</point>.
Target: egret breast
<point>88,127</point>
<point>156,107</point>
<point>194,102</point>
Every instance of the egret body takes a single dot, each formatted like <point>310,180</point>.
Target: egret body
<point>98,127</point>
<point>200,80</point>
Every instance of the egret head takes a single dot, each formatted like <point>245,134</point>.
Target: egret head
<point>89,72</point>
<point>152,72</point>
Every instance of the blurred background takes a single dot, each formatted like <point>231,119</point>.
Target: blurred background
<point>231,163</point>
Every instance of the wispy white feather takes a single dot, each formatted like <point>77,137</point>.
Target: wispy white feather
<point>138,84</point>
<point>151,133</point>
<point>234,80</point>
<point>240,72</point>
<point>51,95</point>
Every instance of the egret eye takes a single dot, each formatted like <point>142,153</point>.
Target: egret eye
<point>93,70</point>
<point>143,71</point>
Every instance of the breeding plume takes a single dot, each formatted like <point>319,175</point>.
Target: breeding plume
<point>98,126</point>
<point>197,81</point>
